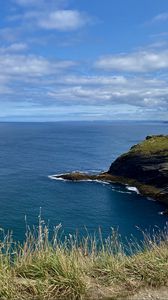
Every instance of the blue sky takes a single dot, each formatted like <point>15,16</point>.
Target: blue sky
<point>83,60</point>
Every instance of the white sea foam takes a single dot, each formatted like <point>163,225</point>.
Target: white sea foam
<point>92,180</point>
<point>120,191</point>
<point>55,177</point>
<point>84,180</point>
<point>123,192</point>
<point>58,177</point>
<point>101,181</point>
<point>132,189</point>
<point>151,199</point>
<point>129,188</point>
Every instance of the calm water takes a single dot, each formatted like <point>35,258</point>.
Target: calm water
<point>30,152</point>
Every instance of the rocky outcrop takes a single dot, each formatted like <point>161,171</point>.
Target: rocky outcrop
<point>146,162</point>
<point>144,166</point>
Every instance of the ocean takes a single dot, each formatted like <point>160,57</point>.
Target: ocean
<point>32,152</point>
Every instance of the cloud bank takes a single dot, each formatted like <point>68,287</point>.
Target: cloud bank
<point>37,78</point>
<point>141,62</point>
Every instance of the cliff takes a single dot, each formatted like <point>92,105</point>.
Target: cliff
<point>144,166</point>
<point>146,162</point>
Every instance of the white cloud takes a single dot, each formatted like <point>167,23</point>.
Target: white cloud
<point>9,34</point>
<point>17,47</point>
<point>63,20</point>
<point>92,80</point>
<point>36,78</point>
<point>41,82</point>
<point>14,48</point>
<point>4,88</point>
<point>49,15</point>
<point>31,65</point>
<point>37,82</point>
<point>137,92</point>
<point>22,70</point>
<point>143,61</point>
<point>157,19</point>
<point>160,18</point>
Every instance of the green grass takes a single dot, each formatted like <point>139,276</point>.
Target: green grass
<point>80,269</point>
<point>153,145</point>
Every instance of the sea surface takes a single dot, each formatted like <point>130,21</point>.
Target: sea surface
<point>31,152</point>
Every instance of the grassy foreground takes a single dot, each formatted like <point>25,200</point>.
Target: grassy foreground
<point>73,269</point>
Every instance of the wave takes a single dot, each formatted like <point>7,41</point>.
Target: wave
<point>132,189</point>
<point>53,177</point>
<point>151,199</point>
<point>100,181</point>
<point>122,192</point>
<point>129,188</point>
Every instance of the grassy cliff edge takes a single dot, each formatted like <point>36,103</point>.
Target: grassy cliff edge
<point>144,166</point>
<point>81,269</point>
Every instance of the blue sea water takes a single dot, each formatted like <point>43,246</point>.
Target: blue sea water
<point>31,152</point>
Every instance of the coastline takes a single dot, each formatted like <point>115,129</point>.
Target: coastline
<point>143,189</point>
<point>144,168</point>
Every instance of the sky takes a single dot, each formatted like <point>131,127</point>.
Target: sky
<point>83,60</point>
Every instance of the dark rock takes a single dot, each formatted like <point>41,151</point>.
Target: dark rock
<point>165,212</point>
<point>146,162</point>
<point>144,166</point>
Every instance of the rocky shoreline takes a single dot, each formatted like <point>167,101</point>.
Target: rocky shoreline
<point>144,166</point>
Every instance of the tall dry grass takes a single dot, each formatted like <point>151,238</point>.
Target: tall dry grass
<point>73,268</point>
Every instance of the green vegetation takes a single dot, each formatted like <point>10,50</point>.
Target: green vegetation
<point>75,269</point>
<point>152,144</point>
